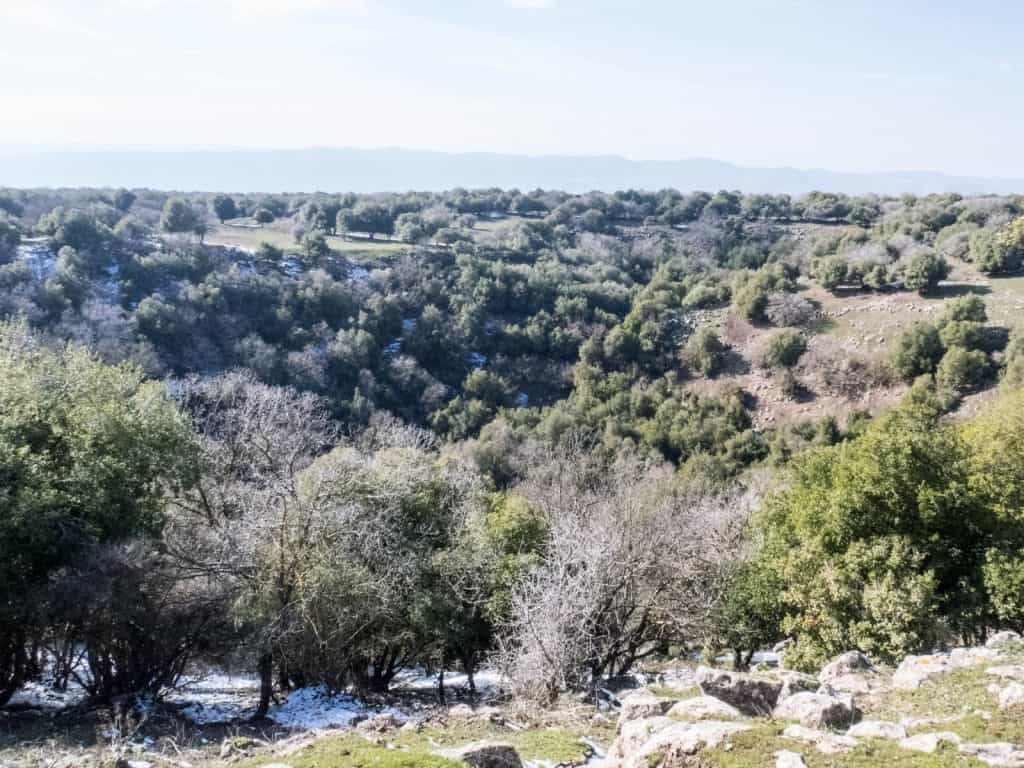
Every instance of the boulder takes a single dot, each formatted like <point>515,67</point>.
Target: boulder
<point>634,733</point>
<point>378,724</point>
<point>1012,696</point>
<point>674,745</point>
<point>640,705</point>
<point>878,729</point>
<point>485,754</point>
<point>703,708</point>
<point>914,670</point>
<point>1008,672</point>
<point>786,759</point>
<point>795,682</point>
<point>929,742</point>
<point>236,745</point>
<point>817,710</point>
<point>750,695</point>
<point>969,657</point>
<point>823,741</point>
<point>849,663</point>
<point>1004,638</point>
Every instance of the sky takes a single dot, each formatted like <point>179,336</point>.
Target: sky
<point>853,86</point>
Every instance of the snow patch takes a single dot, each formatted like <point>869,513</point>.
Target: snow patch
<point>315,708</point>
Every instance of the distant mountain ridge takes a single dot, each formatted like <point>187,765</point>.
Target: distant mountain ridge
<point>390,170</point>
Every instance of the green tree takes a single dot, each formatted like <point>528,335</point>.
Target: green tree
<point>10,239</point>
<point>263,216</point>
<point>924,272</point>
<point>918,351</point>
<point>88,455</point>
<point>224,207</point>
<point>178,216</point>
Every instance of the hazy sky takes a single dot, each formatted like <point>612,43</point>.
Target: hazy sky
<point>914,84</point>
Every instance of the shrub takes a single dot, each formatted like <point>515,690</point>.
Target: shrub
<point>1004,580</point>
<point>963,333</point>
<point>965,308</point>
<point>705,351</point>
<point>962,370</point>
<point>832,272</point>
<point>924,272</point>
<point>918,351</point>
<point>785,349</point>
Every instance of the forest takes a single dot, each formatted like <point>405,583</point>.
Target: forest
<point>324,439</point>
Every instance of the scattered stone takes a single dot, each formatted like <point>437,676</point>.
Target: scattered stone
<point>817,710</point>
<point>277,765</point>
<point>823,741</point>
<point>1009,672</point>
<point>1004,638</point>
<point>878,729</point>
<point>486,754</point>
<point>1012,696</point>
<point>750,695</point>
<point>671,746</point>
<point>139,764</point>
<point>703,707</point>
<point>999,753</point>
<point>641,705</point>
<point>929,742</point>
<point>786,759</point>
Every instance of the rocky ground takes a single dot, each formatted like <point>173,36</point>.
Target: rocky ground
<point>962,707</point>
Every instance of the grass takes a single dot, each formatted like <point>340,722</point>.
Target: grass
<point>411,749</point>
<point>668,692</point>
<point>756,748</point>
<point>278,235</point>
<point>356,752</point>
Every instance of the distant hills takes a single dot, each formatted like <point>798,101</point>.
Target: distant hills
<point>387,170</point>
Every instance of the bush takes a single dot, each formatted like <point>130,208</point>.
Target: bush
<point>962,370</point>
<point>832,272</point>
<point>924,272</point>
<point>965,308</point>
<point>1004,580</point>
<point>963,333</point>
<point>918,351</point>
<point>705,351</point>
<point>785,349</point>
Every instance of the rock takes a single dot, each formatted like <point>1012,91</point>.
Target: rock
<point>485,754</point>
<point>914,670</point>
<point>929,742</point>
<point>969,657</point>
<point>703,707</point>
<point>999,753</point>
<point>785,759</point>
<point>851,662</point>
<point>673,745</point>
<point>634,733</point>
<point>816,710</point>
<point>1012,696</point>
<point>139,764</point>
<point>641,705</point>
<point>378,724</point>
<point>1004,638</point>
<point>236,745</point>
<point>461,712</point>
<point>750,695</point>
<point>794,682</point>
<point>823,741</point>
<point>878,729</point>
<point>1009,672</point>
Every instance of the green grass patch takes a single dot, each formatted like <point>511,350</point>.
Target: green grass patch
<point>668,692</point>
<point>356,752</point>
<point>953,694</point>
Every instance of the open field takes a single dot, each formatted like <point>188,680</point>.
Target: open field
<point>249,237</point>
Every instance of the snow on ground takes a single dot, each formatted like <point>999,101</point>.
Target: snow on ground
<point>314,708</point>
<point>217,698</point>
<point>40,695</point>
<point>418,680</point>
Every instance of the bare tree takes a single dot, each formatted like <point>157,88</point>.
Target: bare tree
<point>631,562</point>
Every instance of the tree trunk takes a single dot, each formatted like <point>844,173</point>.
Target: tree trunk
<point>266,667</point>
<point>440,684</point>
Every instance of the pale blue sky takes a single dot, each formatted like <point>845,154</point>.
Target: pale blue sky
<point>852,85</point>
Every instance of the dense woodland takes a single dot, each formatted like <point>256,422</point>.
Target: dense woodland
<point>489,426</point>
